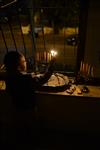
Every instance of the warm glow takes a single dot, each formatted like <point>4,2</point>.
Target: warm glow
<point>53,53</point>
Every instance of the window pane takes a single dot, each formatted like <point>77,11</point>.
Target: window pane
<point>39,27</point>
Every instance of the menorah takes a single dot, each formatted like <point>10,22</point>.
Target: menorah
<point>87,72</point>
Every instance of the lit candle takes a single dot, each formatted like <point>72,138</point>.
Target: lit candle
<point>44,55</point>
<point>89,70</point>
<point>81,67</point>
<point>92,72</point>
<point>53,53</point>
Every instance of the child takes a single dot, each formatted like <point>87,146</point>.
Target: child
<point>22,87</point>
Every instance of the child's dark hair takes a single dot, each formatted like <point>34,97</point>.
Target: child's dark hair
<point>11,60</point>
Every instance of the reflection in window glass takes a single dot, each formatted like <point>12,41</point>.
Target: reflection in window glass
<point>59,28</point>
<point>45,26</point>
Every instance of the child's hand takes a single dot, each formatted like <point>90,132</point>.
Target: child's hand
<point>51,64</point>
<point>53,60</point>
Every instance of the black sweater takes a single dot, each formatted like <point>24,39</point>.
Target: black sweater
<point>22,88</point>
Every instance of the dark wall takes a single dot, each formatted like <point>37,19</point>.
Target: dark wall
<point>92,41</point>
<point>70,113</point>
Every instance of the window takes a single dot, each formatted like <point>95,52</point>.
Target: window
<point>37,28</point>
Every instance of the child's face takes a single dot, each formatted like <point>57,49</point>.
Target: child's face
<point>22,64</point>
